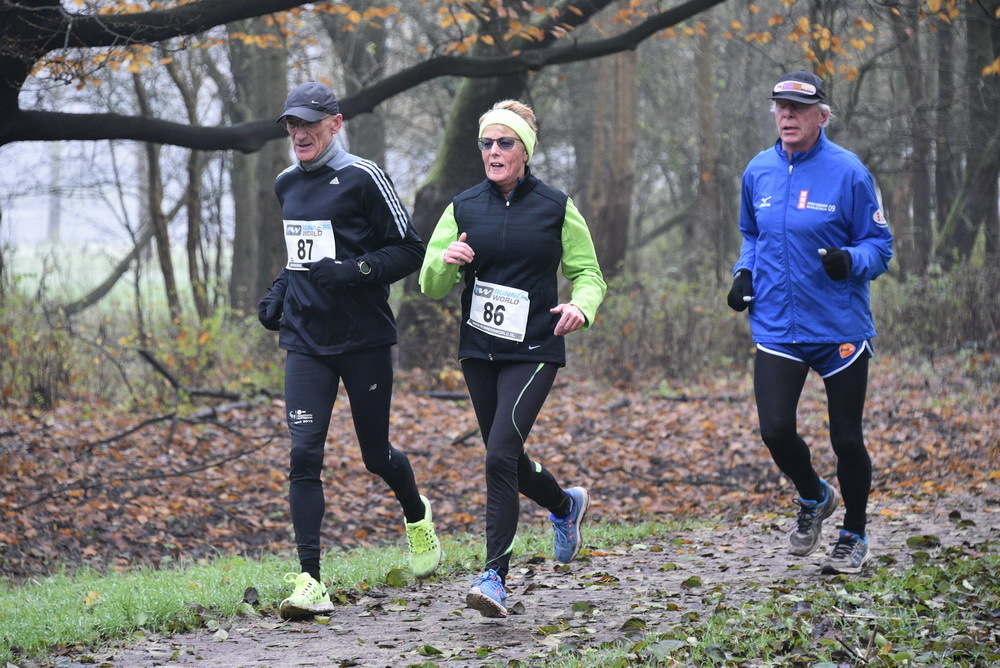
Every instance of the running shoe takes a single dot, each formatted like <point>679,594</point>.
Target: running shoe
<point>308,598</point>
<point>487,595</point>
<point>809,523</point>
<point>568,537</point>
<point>425,549</point>
<point>849,555</point>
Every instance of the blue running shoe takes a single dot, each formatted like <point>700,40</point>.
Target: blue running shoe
<point>487,595</point>
<point>809,521</point>
<point>568,537</point>
<point>850,554</point>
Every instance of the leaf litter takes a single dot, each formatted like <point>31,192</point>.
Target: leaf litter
<point>104,493</point>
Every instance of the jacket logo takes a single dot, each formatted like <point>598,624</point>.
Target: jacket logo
<point>764,203</point>
<point>335,181</point>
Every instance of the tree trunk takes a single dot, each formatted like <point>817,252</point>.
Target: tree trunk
<point>362,52</point>
<point>705,233</point>
<point>983,93</point>
<point>607,196</point>
<point>192,193</point>
<point>193,203</point>
<point>154,209</point>
<point>260,82</point>
<point>945,173</point>
<point>3,278</point>
<point>906,29</point>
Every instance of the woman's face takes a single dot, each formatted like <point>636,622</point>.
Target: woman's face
<point>504,168</point>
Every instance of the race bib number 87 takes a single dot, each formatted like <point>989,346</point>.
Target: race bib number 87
<point>307,241</point>
<point>499,310</point>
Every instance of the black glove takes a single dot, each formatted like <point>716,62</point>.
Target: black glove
<point>836,263</point>
<point>741,294</point>
<point>269,310</point>
<point>333,274</point>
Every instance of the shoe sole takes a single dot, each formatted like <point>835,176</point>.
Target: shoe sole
<point>486,606</point>
<point>830,569</point>
<point>579,526</point>
<point>833,508</point>
<point>294,611</point>
<point>421,576</point>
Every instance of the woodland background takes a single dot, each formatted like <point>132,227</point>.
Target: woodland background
<point>140,402</point>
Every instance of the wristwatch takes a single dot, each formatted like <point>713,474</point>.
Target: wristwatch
<point>364,268</point>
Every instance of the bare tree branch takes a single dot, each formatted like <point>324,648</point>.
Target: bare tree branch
<point>16,125</point>
<point>174,383</point>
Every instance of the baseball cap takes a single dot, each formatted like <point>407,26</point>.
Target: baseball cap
<point>310,101</point>
<point>800,86</point>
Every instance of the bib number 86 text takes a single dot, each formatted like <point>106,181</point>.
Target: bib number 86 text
<point>493,314</point>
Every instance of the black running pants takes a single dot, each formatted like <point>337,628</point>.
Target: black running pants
<point>507,397</point>
<point>311,385</point>
<point>778,384</point>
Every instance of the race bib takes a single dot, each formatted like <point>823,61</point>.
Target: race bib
<point>499,310</point>
<point>307,241</point>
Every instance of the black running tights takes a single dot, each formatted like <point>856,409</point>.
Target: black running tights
<point>778,384</point>
<point>507,397</point>
<point>311,384</point>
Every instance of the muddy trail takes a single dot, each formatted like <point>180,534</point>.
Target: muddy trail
<point>669,585</point>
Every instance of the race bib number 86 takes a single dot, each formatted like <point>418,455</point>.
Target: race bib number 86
<point>307,241</point>
<point>499,310</point>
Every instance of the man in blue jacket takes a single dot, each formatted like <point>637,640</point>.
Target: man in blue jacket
<point>814,236</point>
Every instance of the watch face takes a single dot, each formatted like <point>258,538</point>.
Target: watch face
<point>364,268</point>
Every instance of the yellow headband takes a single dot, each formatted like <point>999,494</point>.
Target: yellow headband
<point>515,123</point>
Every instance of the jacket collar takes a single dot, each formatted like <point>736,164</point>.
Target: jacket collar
<point>799,156</point>
<point>524,185</point>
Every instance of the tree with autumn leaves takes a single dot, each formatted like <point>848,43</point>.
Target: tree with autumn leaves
<point>935,154</point>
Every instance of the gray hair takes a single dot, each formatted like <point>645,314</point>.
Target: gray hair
<point>822,105</point>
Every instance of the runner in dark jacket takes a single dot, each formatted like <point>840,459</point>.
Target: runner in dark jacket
<point>347,237</point>
<point>508,238</point>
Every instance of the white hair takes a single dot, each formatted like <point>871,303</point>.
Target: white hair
<point>822,105</point>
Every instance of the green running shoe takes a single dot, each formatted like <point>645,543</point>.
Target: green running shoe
<point>309,598</point>
<point>425,549</point>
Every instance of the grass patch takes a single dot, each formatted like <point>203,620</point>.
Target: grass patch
<point>85,608</point>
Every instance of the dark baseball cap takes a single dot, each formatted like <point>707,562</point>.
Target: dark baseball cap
<point>310,101</point>
<point>800,86</point>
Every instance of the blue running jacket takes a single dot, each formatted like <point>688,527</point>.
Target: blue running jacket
<point>822,198</point>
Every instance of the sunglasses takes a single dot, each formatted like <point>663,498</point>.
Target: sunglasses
<point>292,124</point>
<point>505,143</point>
